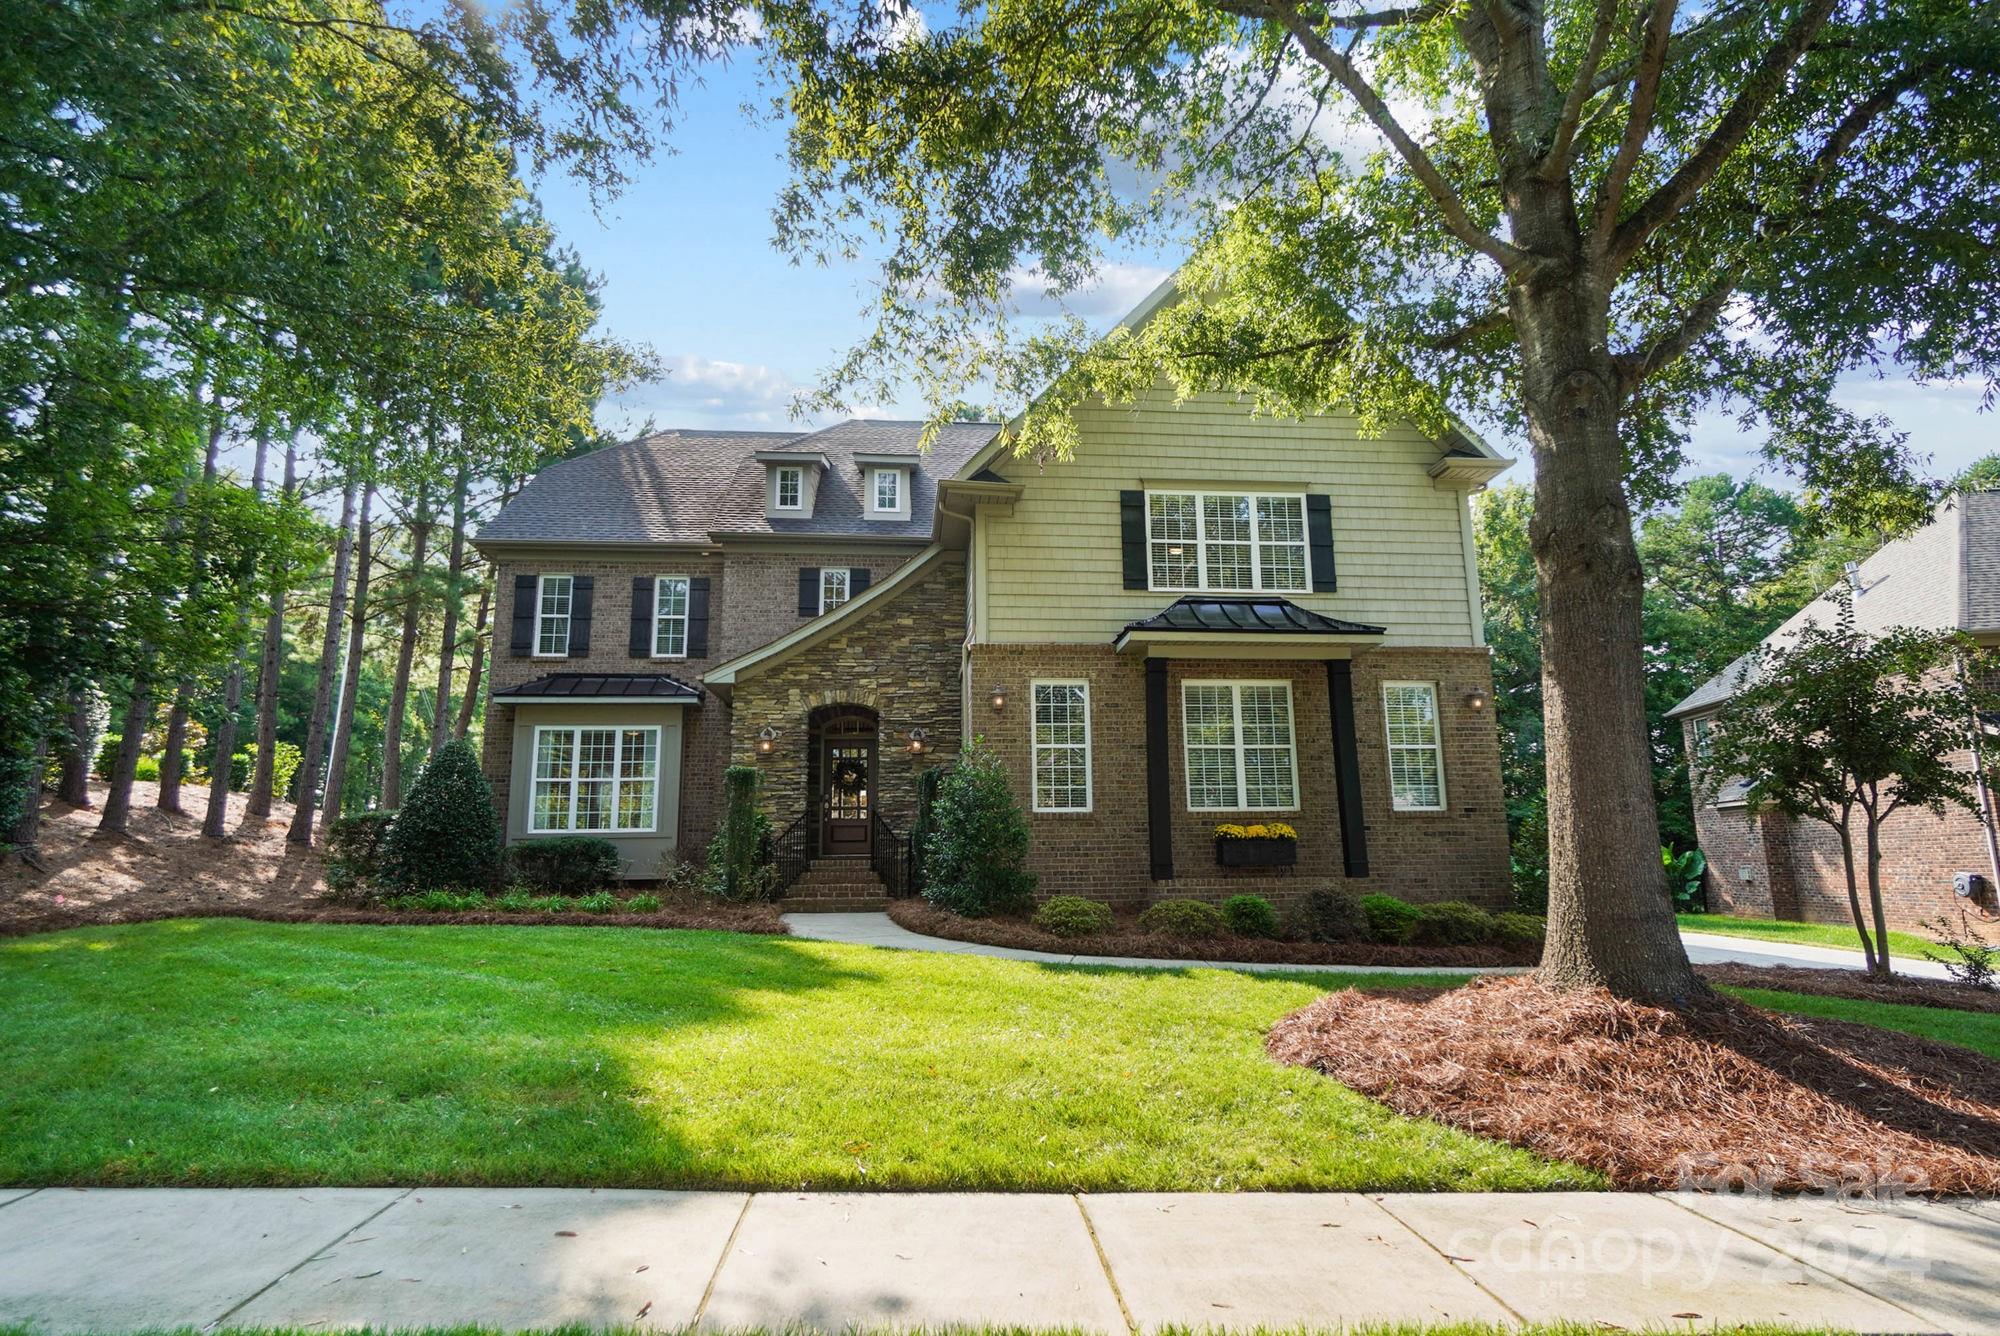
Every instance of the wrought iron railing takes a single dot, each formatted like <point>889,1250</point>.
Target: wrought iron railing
<point>791,855</point>
<point>893,856</point>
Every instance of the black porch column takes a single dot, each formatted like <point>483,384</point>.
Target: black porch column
<point>1347,767</point>
<point>1159,777</point>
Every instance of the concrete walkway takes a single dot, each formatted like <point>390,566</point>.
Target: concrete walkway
<point>1703,948</point>
<point>115,1260</point>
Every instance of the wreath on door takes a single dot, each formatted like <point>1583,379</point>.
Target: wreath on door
<point>849,776</point>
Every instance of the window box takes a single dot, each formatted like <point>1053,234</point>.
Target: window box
<point>1268,845</point>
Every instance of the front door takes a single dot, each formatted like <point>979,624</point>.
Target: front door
<point>848,767</point>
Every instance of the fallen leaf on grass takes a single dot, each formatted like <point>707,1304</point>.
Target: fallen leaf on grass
<point>565,1233</point>
<point>644,1309</point>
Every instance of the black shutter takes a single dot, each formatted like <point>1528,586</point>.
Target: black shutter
<point>808,591</point>
<point>642,617</point>
<point>1132,534</point>
<point>579,616</point>
<point>1319,542</point>
<point>697,637</point>
<point>524,616</point>
<point>857,581</point>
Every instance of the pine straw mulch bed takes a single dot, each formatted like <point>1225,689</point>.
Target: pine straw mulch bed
<point>1127,940</point>
<point>1902,990</point>
<point>1721,1094</point>
<point>763,919</point>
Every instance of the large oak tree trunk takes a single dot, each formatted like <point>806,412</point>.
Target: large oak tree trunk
<point>270,664</point>
<point>399,692</point>
<point>301,831</point>
<point>1611,921</point>
<point>448,640</point>
<point>350,680</point>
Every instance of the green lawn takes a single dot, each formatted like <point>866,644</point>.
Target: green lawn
<point>1905,945</point>
<point>219,1051</point>
<point>1975,1030</point>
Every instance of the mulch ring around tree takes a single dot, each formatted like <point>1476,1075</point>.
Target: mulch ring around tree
<point>1902,990</point>
<point>1721,1096</point>
<point>1129,941</point>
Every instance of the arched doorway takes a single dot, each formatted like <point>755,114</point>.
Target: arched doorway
<point>841,774</point>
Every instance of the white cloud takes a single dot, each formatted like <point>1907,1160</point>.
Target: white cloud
<point>699,391</point>
<point>1119,288</point>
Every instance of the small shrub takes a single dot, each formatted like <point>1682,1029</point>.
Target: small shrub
<point>739,857</point>
<point>643,904</point>
<point>1250,916</point>
<point>597,902</point>
<point>1513,929</point>
<point>146,768</point>
<point>1451,923</point>
<point>1967,958</point>
<point>552,904</point>
<point>354,851</point>
<point>976,856</point>
<point>1684,879</point>
<point>107,755</point>
<point>1188,920</point>
<point>1073,916</point>
<point>565,864</point>
<point>446,833</point>
<point>515,902</point>
<point>1327,914</point>
<point>1389,919</point>
<point>439,901</point>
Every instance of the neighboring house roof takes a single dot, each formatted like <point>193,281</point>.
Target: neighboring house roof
<point>1944,576</point>
<point>689,486</point>
<point>601,686</point>
<point>1278,616</point>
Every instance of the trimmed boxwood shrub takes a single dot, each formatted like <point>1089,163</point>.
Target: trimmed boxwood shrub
<point>354,849</point>
<point>1189,920</point>
<point>1250,916</point>
<point>565,864</point>
<point>1073,916</point>
<point>1450,923</point>
<point>1327,914</point>
<point>447,833</point>
<point>1389,919</point>
<point>1520,929</point>
<point>976,857</point>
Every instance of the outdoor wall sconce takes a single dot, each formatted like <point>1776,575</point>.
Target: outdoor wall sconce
<point>999,699</point>
<point>767,741</point>
<point>1476,698</point>
<point>917,742</point>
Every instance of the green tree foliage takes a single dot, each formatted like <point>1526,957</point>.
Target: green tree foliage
<point>447,833</point>
<point>976,856</point>
<point>1839,726</point>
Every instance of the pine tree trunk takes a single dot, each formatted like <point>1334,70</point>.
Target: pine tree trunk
<point>79,751</point>
<point>172,757</point>
<point>215,821</point>
<point>350,679</point>
<point>1611,921</point>
<point>27,833</point>
<point>448,641</point>
<point>399,692</point>
<point>301,831</point>
<point>463,725</point>
<point>132,735</point>
<point>270,664</point>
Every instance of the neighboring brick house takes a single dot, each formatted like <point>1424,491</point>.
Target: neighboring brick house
<point>1206,616</point>
<point>1766,865</point>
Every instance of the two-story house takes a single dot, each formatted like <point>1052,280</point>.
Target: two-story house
<point>1204,616</point>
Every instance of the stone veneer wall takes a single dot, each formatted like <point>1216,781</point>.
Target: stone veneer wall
<point>1771,866</point>
<point>901,658</point>
<point>753,599</point>
<point>1460,853</point>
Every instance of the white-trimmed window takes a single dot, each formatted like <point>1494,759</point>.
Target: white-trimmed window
<point>1416,753</point>
<point>1239,747</point>
<point>670,617</point>
<point>1061,746</point>
<point>885,490</point>
<point>1703,730</point>
<point>596,779</point>
<point>553,596</point>
<point>1227,542</point>
<point>834,582</point>
<point>788,488</point>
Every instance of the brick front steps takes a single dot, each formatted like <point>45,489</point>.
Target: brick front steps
<point>836,885</point>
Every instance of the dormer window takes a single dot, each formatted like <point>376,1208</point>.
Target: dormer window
<point>885,490</point>
<point>790,488</point>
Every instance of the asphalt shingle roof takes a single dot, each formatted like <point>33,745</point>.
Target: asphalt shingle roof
<point>681,486</point>
<point>1277,616</point>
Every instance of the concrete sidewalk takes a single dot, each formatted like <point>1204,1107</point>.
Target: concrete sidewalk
<point>111,1260</point>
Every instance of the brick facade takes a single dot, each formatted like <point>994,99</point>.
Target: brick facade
<point>1767,865</point>
<point>1460,853</point>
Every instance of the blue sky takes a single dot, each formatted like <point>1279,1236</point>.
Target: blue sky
<point>689,269</point>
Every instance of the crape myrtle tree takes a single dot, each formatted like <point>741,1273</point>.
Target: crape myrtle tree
<point>1843,727</point>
